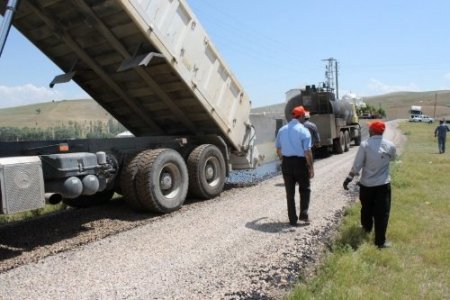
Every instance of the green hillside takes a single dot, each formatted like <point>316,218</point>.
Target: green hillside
<point>51,114</point>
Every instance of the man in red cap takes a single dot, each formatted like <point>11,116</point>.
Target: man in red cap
<point>373,159</point>
<point>313,130</point>
<point>293,145</point>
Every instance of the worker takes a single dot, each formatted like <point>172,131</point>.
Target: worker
<point>373,158</point>
<point>315,136</point>
<point>441,133</point>
<point>293,144</point>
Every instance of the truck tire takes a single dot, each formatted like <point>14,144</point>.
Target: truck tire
<point>127,182</point>
<point>358,138</point>
<point>206,168</point>
<point>162,180</point>
<point>339,143</point>
<point>88,201</point>
<point>347,141</point>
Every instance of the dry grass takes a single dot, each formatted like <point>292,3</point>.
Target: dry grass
<point>51,114</point>
<point>397,105</point>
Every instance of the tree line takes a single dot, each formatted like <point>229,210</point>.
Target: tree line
<point>71,130</point>
<point>371,111</point>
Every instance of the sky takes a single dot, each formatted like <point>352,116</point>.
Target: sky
<point>381,46</point>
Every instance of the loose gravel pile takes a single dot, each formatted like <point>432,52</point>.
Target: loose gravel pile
<point>236,246</point>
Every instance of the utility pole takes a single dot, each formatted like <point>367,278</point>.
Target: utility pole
<point>435,103</point>
<point>331,75</point>
<point>337,83</point>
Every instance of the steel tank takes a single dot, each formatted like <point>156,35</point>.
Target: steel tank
<point>318,102</point>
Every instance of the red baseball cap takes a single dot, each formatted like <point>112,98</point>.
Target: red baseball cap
<point>298,111</point>
<point>377,127</point>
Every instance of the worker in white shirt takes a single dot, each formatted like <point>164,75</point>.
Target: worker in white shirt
<point>373,159</point>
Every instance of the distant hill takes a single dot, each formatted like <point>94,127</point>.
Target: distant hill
<point>56,113</point>
<point>51,114</point>
<point>397,105</point>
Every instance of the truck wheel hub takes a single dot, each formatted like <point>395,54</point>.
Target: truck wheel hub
<point>166,181</point>
<point>209,172</point>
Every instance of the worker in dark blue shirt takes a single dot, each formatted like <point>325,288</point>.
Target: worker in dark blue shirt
<point>441,133</point>
<point>293,145</point>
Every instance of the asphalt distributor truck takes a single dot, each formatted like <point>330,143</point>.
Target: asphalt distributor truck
<point>151,65</point>
<point>336,120</point>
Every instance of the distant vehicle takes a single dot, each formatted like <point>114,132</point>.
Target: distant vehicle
<point>415,118</point>
<point>366,116</point>
<point>416,110</point>
<point>421,118</point>
<point>427,119</point>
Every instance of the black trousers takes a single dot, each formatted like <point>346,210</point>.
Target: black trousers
<point>441,144</point>
<point>295,171</point>
<point>375,208</point>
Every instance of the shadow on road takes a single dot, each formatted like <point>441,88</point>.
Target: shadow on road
<point>271,227</point>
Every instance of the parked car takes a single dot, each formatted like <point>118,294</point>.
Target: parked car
<point>427,119</point>
<point>421,118</point>
<point>415,118</point>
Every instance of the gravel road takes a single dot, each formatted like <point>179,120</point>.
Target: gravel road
<point>236,246</point>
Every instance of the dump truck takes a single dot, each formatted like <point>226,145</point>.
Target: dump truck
<point>336,120</point>
<point>415,111</point>
<point>152,66</point>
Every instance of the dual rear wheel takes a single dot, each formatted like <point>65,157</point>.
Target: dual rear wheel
<point>342,143</point>
<point>158,180</point>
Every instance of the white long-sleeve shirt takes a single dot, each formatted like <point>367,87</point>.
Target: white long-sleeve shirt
<point>373,158</point>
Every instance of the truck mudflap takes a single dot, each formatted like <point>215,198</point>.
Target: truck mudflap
<point>21,184</point>
<point>249,157</point>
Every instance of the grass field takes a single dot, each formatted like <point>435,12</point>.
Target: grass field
<point>418,264</point>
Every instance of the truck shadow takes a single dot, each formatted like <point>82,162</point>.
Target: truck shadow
<point>29,240</point>
<point>23,236</point>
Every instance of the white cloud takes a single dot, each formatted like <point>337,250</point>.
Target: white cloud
<point>11,96</point>
<point>378,87</point>
<point>447,76</point>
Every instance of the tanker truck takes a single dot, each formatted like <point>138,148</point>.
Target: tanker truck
<point>336,121</point>
<point>152,66</point>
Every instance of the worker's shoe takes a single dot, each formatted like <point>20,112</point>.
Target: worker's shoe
<point>386,244</point>
<point>305,219</point>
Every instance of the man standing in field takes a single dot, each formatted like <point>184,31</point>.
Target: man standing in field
<point>441,133</point>
<point>373,158</point>
<point>293,145</point>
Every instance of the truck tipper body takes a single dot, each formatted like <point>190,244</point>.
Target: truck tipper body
<point>152,66</point>
<point>336,120</point>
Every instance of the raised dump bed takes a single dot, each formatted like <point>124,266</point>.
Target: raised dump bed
<point>147,62</point>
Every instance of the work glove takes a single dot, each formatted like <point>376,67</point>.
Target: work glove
<point>347,181</point>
